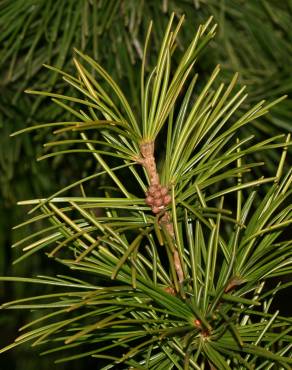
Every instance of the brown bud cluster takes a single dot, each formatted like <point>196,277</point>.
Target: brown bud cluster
<point>169,290</point>
<point>198,323</point>
<point>157,197</point>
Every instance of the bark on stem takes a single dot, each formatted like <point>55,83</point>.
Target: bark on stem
<point>158,197</point>
<point>148,161</point>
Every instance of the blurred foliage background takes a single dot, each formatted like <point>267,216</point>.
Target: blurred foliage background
<point>254,37</point>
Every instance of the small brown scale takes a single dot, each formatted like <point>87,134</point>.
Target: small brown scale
<point>157,197</point>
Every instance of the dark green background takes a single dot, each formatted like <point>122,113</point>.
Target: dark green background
<point>254,37</point>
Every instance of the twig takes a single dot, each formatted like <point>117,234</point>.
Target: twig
<point>158,197</point>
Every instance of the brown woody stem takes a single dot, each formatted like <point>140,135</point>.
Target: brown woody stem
<point>148,161</point>
<point>158,197</point>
